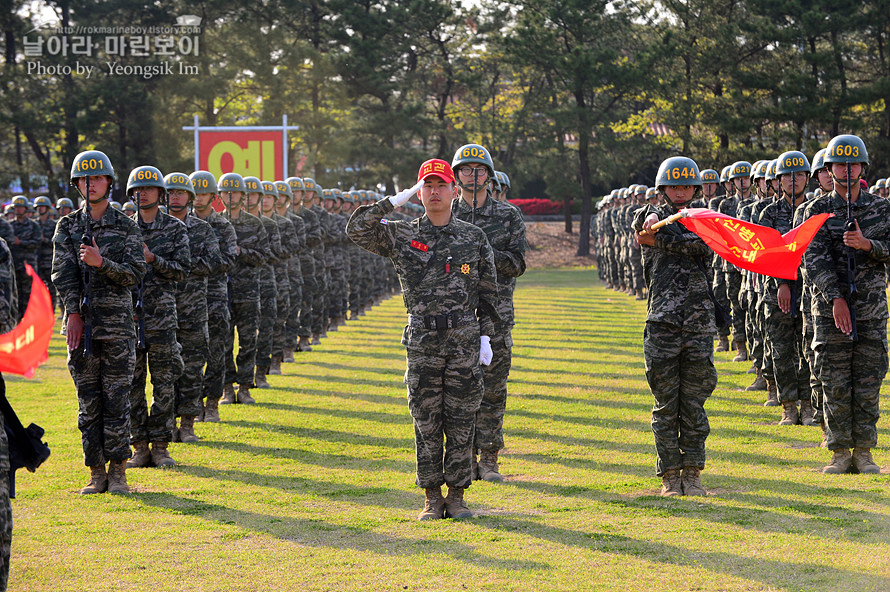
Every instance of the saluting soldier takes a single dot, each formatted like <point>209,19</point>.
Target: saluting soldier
<point>447,271</point>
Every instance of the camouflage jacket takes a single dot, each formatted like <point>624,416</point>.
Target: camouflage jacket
<point>267,269</point>
<point>826,257</point>
<point>227,242</point>
<point>289,247</point>
<point>8,292</point>
<point>324,223</point>
<point>29,235</point>
<point>45,252</point>
<point>313,228</point>
<point>304,256</point>
<point>255,251</point>
<point>167,239</point>
<point>191,293</point>
<point>123,267</point>
<point>6,232</point>
<point>442,270</point>
<point>675,276</point>
<point>505,229</point>
<point>779,215</point>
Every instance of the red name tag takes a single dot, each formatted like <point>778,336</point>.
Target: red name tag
<point>420,246</point>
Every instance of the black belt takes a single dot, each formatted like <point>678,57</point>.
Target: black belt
<point>442,322</point>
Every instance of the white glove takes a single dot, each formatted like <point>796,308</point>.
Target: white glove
<point>402,197</point>
<point>485,351</point>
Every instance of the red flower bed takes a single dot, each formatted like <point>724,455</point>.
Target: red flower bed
<point>537,206</point>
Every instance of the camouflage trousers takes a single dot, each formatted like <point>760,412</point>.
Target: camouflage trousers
<point>339,291</point>
<point>636,266</point>
<point>785,335</point>
<point>266,325</point>
<point>193,342</point>
<point>810,354</point>
<point>356,287</point>
<point>279,327</point>
<point>733,292</point>
<point>767,366</point>
<point>319,300</point>
<point>5,521</point>
<point>103,381</point>
<point>444,392</point>
<point>23,284</point>
<point>719,284</point>
<point>307,315</point>
<point>681,376</point>
<point>490,417</point>
<point>851,373</point>
<point>246,318</point>
<point>753,326</point>
<point>162,357</point>
<point>292,324</point>
<point>217,339</point>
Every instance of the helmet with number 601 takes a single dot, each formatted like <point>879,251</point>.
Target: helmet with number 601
<point>179,181</point>
<point>203,182</point>
<point>792,162</point>
<point>738,169</point>
<point>473,153</point>
<point>230,182</point>
<point>677,170</point>
<point>90,164</point>
<point>846,148</point>
<point>145,176</point>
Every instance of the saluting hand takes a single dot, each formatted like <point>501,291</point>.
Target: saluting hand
<point>90,254</point>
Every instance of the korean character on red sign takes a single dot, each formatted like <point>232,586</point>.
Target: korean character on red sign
<point>749,256</point>
<point>746,234</point>
<point>731,224</point>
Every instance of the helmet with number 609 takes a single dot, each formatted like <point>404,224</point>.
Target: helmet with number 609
<point>792,162</point>
<point>677,170</point>
<point>145,176</point>
<point>846,148</point>
<point>473,153</point>
<point>90,164</point>
<point>203,182</point>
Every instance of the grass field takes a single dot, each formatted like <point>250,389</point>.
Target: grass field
<point>312,488</point>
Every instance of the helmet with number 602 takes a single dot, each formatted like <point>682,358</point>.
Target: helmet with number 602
<point>472,153</point>
<point>43,201</point>
<point>90,164</point>
<point>677,170</point>
<point>792,162</point>
<point>203,182</point>
<point>738,169</point>
<point>709,176</point>
<point>230,182</point>
<point>846,148</point>
<point>175,181</point>
<point>145,176</point>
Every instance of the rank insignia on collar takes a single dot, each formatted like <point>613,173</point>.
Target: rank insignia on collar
<point>465,268</point>
<point>420,246</point>
<point>384,221</point>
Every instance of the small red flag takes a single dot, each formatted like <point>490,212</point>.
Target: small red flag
<point>760,249</point>
<point>25,347</point>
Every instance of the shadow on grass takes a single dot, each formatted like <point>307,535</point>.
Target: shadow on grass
<point>325,435</point>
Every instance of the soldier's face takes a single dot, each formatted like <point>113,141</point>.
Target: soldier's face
<point>282,201</point>
<point>839,172</point>
<point>298,197</point>
<point>709,190</point>
<point>800,183</point>
<point>98,186</point>
<point>823,176</point>
<point>148,196</point>
<point>64,211</point>
<point>203,201</point>
<point>436,194</point>
<point>742,184</point>
<point>178,198</point>
<point>268,203</point>
<point>679,194</point>
<point>253,200</point>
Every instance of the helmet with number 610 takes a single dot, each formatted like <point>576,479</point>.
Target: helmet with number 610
<point>473,153</point>
<point>145,176</point>
<point>792,162</point>
<point>677,170</point>
<point>90,164</point>
<point>203,182</point>
<point>846,148</point>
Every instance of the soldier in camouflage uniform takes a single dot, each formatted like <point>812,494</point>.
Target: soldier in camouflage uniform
<point>191,305</point>
<point>24,247</point>
<point>111,267</point>
<point>318,320</point>
<point>281,268</point>
<point>8,318</point>
<point>312,230</point>
<point>45,253</point>
<point>447,271</point>
<point>851,366</point>
<point>297,246</point>
<point>218,315</point>
<point>719,279</point>
<point>166,249</point>
<point>244,292</point>
<point>505,229</point>
<point>739,176</point>
<point>680,328</point>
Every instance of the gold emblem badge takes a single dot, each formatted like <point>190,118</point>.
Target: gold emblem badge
<point>465,268</point>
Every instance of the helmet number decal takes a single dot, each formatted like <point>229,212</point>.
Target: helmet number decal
<point>846,150</point>
<point>147,175</point>
<point>201,183</point>
<point>677,173</point>
<point>474,151</point>
<point>794,161</point>
<point>89,164</point>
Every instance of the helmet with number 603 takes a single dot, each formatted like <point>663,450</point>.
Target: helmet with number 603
<point>738,169</point>
<point>677,170</point>
<point>203,182</point>
<point>175,181</point>
<point>43,201</point>
<point>230,182</point>
<point>470,154</point>
<point>65,203</point>
<point>90,164</point>
<point>792,162</point>
<point>709,176</point>
<point>818,161</point>
<point>846,148</point>
<point>145,176</point>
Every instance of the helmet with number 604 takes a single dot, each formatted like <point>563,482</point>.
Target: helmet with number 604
<point>677,170</point>
<point>846,148</point>
<point>65,203</point>
<point>90,164</point>
<point>203,182</point>
<point>179,181</point>
<point>709,176</point>
<point>145,176</point>
<point>738,169</point>
<point>473,153</point>
<point>43,201</point>
<point>792,162</point>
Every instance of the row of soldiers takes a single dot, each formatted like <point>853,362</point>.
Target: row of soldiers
<point>784,326</point>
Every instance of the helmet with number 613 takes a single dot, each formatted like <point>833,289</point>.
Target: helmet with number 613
<point>145,176</point>
<point>677,170</point>
<point>846,148</point>
<point>230,182</point>
<point>792,162</point>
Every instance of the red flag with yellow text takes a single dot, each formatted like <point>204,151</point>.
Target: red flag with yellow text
<point>760,249</point>
<point>25,347</point>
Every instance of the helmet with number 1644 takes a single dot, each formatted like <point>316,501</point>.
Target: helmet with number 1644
<point>678,170</point>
